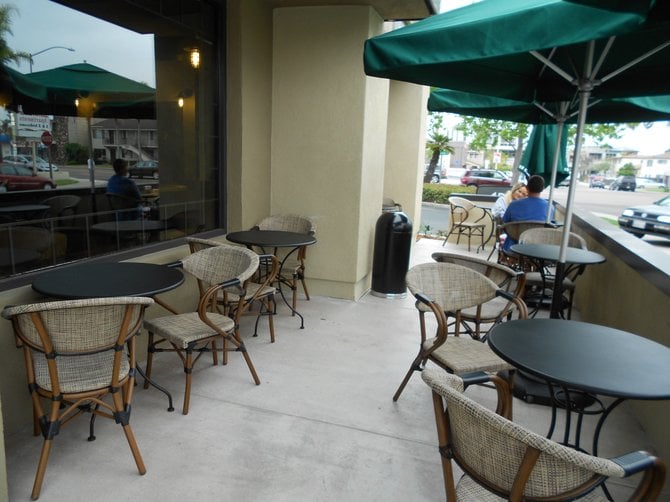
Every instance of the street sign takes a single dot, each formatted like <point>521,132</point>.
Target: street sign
<point>47,138</point>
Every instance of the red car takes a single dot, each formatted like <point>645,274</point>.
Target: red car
<point>476,177</point>
<point>14,177</point>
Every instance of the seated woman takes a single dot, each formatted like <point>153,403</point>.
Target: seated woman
<point>518,191</point>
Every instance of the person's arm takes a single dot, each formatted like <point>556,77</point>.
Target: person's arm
<point>499,207</point>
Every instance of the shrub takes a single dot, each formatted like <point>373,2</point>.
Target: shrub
<point>76,153</point>
<point>439,193</point>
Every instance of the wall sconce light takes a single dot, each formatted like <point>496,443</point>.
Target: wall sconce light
<point>185,93</point>
<point>76,102</point>
<point>194,57</point>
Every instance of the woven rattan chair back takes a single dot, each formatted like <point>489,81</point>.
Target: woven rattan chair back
<point>454,287</point>
<point>288,223</point>
<point>63,207</point>
<point>551,236</point>
<point>500,274</point>
<point>293,263</point>
<point>259,288</point>
<point>219,263</point>
<point>77,352</point>
<point>514,463</point>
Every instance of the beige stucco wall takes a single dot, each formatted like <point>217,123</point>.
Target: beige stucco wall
<point>403,177</point>
<point>248,83</point>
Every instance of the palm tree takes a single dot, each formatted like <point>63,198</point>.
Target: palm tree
<point>6,53</point>
<point>437,143</point>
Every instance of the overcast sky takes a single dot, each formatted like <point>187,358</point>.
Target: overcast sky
<point>39,24</point>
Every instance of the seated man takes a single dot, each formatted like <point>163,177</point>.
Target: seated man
<point>531,208</point>
<point>120,184</point>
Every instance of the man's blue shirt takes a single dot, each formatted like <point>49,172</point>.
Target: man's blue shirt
<point>121,185</point>
<point>526,209</point>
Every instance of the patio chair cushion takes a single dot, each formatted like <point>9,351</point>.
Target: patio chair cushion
<point>184,329</point>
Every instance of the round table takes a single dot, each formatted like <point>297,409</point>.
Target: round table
<point>275,239</point>
<point>550,252</point>
<point>586,357</point>
<point>271,238</point>
<point>97,280</point>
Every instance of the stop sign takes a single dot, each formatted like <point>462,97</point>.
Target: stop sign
<point>47,138</point>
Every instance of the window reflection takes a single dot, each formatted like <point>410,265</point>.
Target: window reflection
<point>171,149</point>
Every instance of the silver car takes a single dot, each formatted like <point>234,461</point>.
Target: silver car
<point>27,161</point>
<point>653,219</point>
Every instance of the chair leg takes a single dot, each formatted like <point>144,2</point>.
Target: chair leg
<point>301,276</point>
<point>150,359</point>
<point>416,366</point>
<point>188,370</point>
<point>41,468</point>
<point>120,408</point>
<point>271,323</point>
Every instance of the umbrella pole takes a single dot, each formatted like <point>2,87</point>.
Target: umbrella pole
<point>554,168</point>
<point>91,165</point>
<point>557,298</point>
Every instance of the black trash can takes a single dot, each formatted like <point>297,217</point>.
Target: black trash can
<point>393,241</point>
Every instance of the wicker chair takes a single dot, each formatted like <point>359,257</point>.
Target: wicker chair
<point>63,207</point>
<point>75,367</point>
<point>259,288</point>
<point>466,219</point>
<point>446,290</point>
<point>513,230</point>
<point>495,310</point>
<point>295,263</point>
<point>504,461</point>
<point>535,280</point>
<point>197,332</point>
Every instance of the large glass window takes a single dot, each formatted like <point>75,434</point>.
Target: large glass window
<point>169,137</point>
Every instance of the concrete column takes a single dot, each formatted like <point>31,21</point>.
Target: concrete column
<point>329,139</point>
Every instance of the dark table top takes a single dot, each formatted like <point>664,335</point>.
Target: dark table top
<point>579,355</point>
<point>271,238</point>
<point>98,280</point>
<point>21,208</point>
<point>129,226</point>
<point>550,252</point>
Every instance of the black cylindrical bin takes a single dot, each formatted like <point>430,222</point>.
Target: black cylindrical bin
<point>393,241</point>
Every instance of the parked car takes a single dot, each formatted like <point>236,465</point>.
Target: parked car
<point>649,183</point>
<point>476,177</point>
<point>624,183</point>
<point>27,161</point>
<point>653,219</point>
<point>14,177</point>
<point>597,182</point>
<point>144,168</point>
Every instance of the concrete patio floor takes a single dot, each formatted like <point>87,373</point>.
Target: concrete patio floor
<point>321,426</point>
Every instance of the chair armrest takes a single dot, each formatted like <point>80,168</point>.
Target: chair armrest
<point>636,461</point>
<point>175,264</point>
<point>423,298</point>
<point>475,378</point>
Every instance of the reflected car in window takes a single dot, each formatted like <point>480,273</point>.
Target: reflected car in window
<point>476,177</point>
<point>27,161</point>
<point>144,168</point>
<point>14,178</point>
<point>653,219</point>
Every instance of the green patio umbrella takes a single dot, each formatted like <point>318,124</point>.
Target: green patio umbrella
<point>540,153</point>
<point>86,90</point>
<point>15,87</point>
<point>535,51</point>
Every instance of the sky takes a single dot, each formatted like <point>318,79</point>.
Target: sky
<point>40,24</point>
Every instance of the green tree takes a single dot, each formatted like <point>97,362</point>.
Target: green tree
<point>437,142</point>
<point>627,170</point>
<point>6,53</point>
